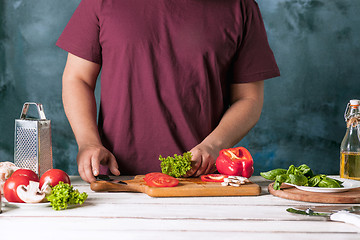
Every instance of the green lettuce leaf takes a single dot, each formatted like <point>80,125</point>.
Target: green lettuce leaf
<point>63,195</point>
<point>176,166</point>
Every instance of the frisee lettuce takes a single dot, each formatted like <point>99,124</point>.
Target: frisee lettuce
<point>176,166</point>
<point>63,195</point>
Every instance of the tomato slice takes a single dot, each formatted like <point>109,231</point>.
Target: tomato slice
<point>160,180</point>
<point>153,174</point>
<point>213,177</point>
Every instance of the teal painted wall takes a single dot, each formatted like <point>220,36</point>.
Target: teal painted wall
<point>316,44</point>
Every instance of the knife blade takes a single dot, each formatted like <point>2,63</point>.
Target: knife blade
<point>330,209</point>
<point>341,214</point>
<point>106,178</point>
<point>307,211</point>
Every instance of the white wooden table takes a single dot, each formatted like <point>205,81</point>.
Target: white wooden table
<point>138,216</point>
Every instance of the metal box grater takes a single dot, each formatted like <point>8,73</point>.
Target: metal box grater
<point>33,148</point>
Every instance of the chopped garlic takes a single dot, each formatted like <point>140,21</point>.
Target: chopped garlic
<point>234,184</point>
<point>234,181</point>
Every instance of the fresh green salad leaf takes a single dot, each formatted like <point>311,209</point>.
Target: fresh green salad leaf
<point>297,179</point>
<point>176,166</point>
<point>305,170</point>
<point>315,180</point>
<point>279,179</point>
<point>330,183</point>
<point>63,195</point>
<point>271,175</point>
<point>292,170</point>
<point>301,176</point>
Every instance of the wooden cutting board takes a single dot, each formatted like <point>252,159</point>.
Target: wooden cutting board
<point>292,193</point>
<point>188,187</point>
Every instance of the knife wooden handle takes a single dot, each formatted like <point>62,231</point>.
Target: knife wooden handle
<point>104,186</point>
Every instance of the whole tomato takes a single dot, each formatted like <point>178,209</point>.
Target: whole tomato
<point>53,177</point>
<point>26,172</point>
<point>10,187</point>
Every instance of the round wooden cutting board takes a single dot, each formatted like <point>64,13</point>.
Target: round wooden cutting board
<point>292,193</point>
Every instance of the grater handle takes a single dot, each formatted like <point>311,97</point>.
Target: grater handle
<point>39,108</point>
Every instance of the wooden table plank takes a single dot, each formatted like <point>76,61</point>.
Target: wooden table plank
<point>138,216</point>
<point>132,224</point>
<point>175,229</point>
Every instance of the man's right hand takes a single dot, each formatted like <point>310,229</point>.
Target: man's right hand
<point>79,81</point>
<point>89,159</point>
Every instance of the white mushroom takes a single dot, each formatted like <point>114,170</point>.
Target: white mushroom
<point>46,188</point>
<point>6,170</point>
<point>30,193</point>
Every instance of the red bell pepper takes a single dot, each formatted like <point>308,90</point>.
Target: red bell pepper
<point>235,162</point>
<point>213,177</point>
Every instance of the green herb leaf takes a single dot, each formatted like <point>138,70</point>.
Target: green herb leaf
<point>63,195</point>
<point>306,212</point>
<point>291,169</point>
<point>176,166</point>
<point>277,185</point>
<point>327,182</point>
<point>314,181</point>
<point>279,180</point>
<point>301,176</point>
<point>271,175</point>
<point>305,170</point>
<point>298,179</point>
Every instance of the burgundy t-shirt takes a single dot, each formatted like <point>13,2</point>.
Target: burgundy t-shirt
<point>166,69</point>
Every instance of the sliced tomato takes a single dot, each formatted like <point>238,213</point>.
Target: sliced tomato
<point>154,174</point>
<point>160,180</point>
<point>213,177</point>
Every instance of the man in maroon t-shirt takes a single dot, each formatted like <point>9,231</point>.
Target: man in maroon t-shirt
<point>176,76</point>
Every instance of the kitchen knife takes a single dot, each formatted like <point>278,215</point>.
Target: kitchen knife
<point>106,178</point>
<point>334,213</point>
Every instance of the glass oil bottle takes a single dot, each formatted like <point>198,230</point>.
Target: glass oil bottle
<point>350,145</point>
